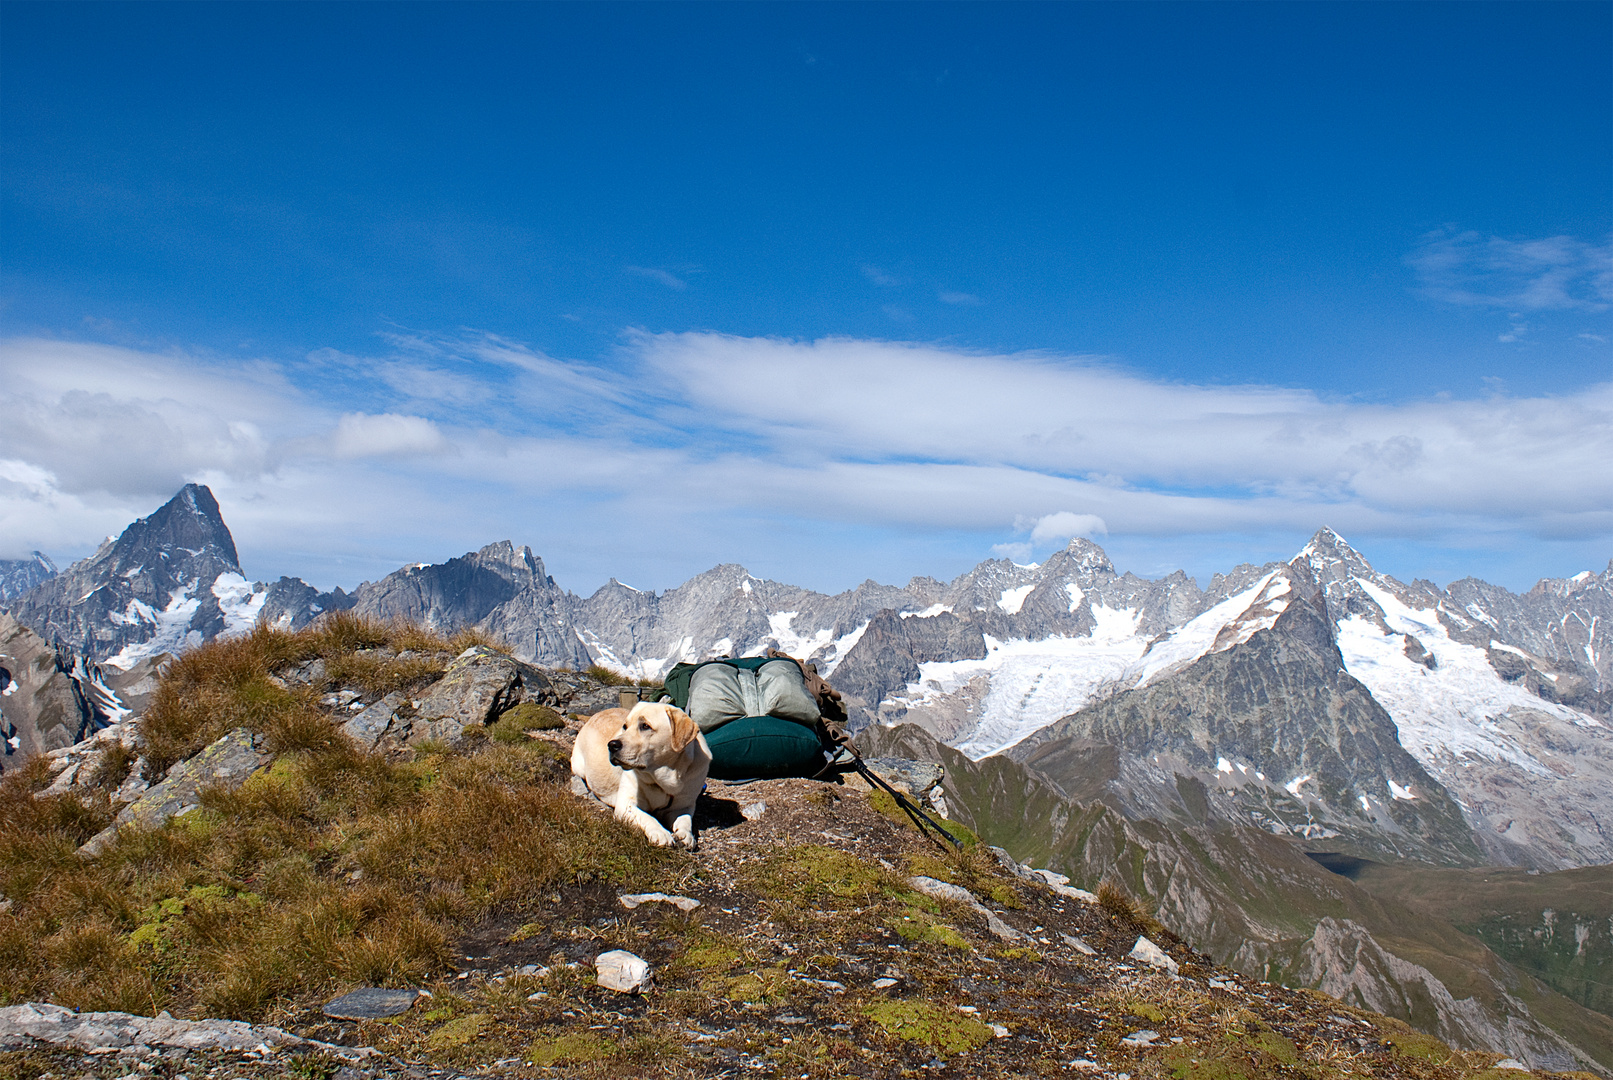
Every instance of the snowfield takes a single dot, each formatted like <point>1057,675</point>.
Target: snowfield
<point>1447,713</point>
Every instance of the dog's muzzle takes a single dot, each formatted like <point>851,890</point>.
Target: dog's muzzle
<point>615,748</point>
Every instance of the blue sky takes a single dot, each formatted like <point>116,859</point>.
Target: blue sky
<point>833,291</point>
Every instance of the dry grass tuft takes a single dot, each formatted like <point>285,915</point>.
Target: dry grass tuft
<point>1128,910</point>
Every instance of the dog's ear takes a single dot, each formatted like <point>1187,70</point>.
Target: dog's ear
<point>684,730</point>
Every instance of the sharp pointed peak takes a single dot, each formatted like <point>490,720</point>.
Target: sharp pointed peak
<point>1325,542</point>
<point>197,498</point>
<point>1088,556</point>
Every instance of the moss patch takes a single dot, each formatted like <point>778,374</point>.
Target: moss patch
<point>571,1048</point>
<point>458,1032</point>
<point>1414,1044</point>
<point>513,724</point>
<point>943,1030</point>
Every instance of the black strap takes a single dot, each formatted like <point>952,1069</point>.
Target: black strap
<point>921,820</point>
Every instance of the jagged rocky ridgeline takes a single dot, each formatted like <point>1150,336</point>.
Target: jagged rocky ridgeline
<point>1316,697</point>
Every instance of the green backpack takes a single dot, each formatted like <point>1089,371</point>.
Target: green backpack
<point>757,715</point>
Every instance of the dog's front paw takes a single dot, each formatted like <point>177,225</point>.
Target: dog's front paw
<point>660,837</point>
<point>685,836</point>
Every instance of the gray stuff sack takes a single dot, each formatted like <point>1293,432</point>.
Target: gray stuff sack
<point>719,693</point>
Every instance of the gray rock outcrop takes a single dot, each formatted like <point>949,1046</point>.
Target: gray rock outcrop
<point>227,763</point>
<point>100,1032</point>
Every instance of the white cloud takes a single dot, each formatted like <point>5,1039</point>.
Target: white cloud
<point>445,444</point>
<point>960,298</point>
<point>358,435</point>
<point>1554,272</point>
<point>880,277</point>
<point>1064,526</point>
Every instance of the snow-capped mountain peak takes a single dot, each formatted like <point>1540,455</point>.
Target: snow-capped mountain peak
<point>169,580</point>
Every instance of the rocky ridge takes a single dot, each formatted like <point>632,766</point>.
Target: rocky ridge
<point>1501,699</point>
<point>498,589</point>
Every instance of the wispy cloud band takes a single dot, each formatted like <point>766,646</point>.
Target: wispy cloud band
<point>1549,273</point>
<point>709,436</point>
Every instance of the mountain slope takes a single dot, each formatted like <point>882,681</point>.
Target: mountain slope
<point>1270,730</point>
<point>1258,904</point>
<point>1535,776</point>
<point>1557,925</point>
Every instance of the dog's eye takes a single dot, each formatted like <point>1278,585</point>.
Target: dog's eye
<point>644,727</point>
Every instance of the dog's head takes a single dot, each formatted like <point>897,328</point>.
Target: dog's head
<point>653,736</point>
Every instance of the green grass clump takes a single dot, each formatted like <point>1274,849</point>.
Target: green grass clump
<point>943,1030</point>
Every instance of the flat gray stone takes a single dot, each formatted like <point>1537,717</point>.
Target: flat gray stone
<point>102,1032</point>
<point>942,890</point>
<point>371,1003</point>
<point>1078,944</point>
<point>368,726</point>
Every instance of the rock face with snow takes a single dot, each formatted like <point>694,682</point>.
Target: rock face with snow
<point>1272,731</point>
<point>727,611</point>
<point>292,603</point>
<point>1475,678</point>
<point>170,580</point>
<point>17,576</point>
<point>499,589</point>
<point>43,707</point>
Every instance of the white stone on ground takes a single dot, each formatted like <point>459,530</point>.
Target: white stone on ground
<point>1078,944</point>
<point>682,903</point>
<point>623,972</point>
<point>1147,952</point>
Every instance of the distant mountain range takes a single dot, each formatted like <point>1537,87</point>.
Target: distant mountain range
<point>1315,698</point>
<point>1195,743</point>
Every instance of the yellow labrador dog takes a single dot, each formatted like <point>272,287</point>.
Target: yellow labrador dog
<point>647,763</point>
